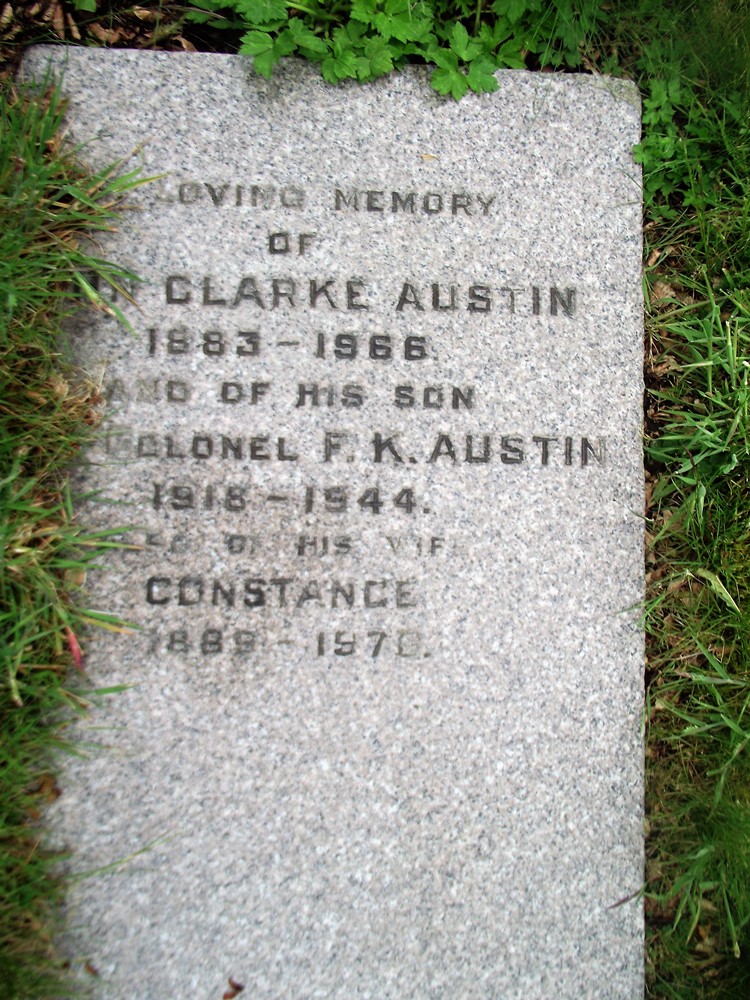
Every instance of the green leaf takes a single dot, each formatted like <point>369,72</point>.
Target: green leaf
<point>306,39</point>
<point>87,5</point>
<point>329,73</point>
<point>264,62</point>
<point>355,32</point>
<point>364,72</point>
<point>449,81</point>
<point>265,50</point>
<point>718,587</point>
<point>342,41</point>
<point>340,67</point>
<point>402,21</point>
<point>284,44</point>
<point>462,45</point>
<point>261,11</point>
<point>442,80</point>
<point>460,86</point>
<point>364,10</point>
<point>378,55</point>
<point>459,39</point>
<point>385,25</point>
<point>481,76</point>
<point>509,55</point>
<point>196,16</point>
<point>515,9</point>
<point>490,36</point>
<point>255,43</point>
<point>443,58</point>
<point>211,5</point>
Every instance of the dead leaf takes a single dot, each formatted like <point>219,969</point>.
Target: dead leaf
<point>664,367</point>
<point>48,788</point>
<point>234,990</point>
<point>662,291</point>
<point>54,14</point>
<point>75,34</point>
<point>75,649</point>
<point>74,577</point>
<point>106,35</point>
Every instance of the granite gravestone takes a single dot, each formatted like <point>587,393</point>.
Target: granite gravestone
<point>378,429</point>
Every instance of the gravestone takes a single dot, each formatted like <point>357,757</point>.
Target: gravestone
<point>377,431</point>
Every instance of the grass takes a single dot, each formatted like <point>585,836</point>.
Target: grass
<point>697,171</point>
<point>695,152</point>
<point>48,204</point>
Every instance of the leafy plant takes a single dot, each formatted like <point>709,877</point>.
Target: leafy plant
<point>365,39</point>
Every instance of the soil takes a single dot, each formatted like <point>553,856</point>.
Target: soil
<point>122,25</point>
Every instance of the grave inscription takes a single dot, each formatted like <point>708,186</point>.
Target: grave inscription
<point>378,431</point>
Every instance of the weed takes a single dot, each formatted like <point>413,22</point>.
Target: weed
<point>364,39</point>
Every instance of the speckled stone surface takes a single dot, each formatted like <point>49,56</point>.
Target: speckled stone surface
<point>382,449</point>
